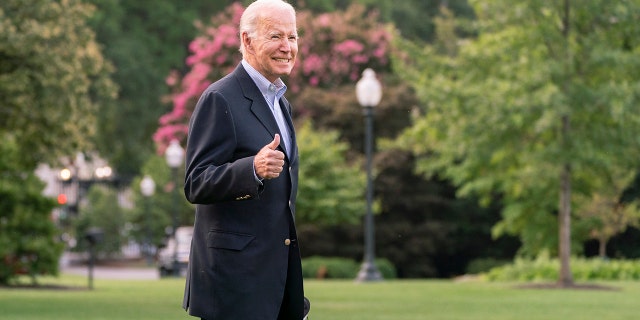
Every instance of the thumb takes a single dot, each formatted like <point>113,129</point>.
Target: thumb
<point>275,143</point>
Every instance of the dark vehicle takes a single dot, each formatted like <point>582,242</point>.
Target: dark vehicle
<point>180,246</point>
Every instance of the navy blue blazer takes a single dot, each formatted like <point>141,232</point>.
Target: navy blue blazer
<point>244,231</point>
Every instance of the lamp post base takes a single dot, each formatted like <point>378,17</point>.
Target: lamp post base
<point>368,272</point>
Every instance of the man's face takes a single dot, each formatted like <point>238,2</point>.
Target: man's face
<point>273,51</point>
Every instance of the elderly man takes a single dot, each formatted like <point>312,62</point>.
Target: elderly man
<point>242,174</point>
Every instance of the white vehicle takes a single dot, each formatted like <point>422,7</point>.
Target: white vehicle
<point>178,248</point>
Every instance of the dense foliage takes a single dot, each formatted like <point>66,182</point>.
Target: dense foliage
<point>103,214</point>
<point>492,93</point>
<point>28,238</point>
<point>152,217</point>
<point>330,189</point>
<point>494,109</point>
<point>333,49</point>
<point>53,79</point>
<point>144,40</point>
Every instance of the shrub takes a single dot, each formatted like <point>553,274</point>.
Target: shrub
<point>484,265</point>
<point>29,242</point>
<point>329,268</point>
<point>545,269</point>
<point>341,268</point>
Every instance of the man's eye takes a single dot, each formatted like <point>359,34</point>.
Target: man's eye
<point>275,37</point>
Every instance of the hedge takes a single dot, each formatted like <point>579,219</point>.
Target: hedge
<point>583,269</point>
<point>341,268</point>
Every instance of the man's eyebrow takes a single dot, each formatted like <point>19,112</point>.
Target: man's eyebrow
<point>279,33</point>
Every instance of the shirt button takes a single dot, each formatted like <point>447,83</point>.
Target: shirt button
<point>287,242</point>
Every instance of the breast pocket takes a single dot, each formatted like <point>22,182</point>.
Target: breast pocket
<point>231,261</point>
<point>228,240</point>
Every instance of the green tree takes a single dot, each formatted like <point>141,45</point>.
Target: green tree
<point>608,213</point>
<point>28,238</point>
<point>152,217</point>
<point>330,190</point>
<point>52,78</point>
<point>102,210</point>
<point>542,102</point>
<point>144,40</point>
<point>415,19</point>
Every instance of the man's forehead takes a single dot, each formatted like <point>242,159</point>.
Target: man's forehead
<point>277,26</point>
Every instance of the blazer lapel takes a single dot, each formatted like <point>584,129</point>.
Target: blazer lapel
<point>259,107</point>
<point>286,110</point>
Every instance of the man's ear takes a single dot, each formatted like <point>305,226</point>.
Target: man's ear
<point>246,42</point>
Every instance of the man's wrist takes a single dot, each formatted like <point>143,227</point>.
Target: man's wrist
<point>255,175</point>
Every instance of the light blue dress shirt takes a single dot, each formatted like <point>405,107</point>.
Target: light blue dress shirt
<point>272,92</point>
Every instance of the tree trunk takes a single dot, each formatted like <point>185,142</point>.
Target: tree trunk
<point>564,226</point>
<point>602,248</point>
<point>564,215</point>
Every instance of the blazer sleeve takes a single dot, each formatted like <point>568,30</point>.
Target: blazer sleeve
<point>213,174</point>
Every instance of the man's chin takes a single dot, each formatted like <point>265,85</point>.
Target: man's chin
<point>283,73</point>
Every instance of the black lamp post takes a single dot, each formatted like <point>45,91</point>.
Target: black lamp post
<point>174,156</point>
<point>147,188</point>
<point>369,93</point>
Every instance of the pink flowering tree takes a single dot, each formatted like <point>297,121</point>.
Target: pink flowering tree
<point>333,50</point>
<point>213,53</point>
<point>335,47</point>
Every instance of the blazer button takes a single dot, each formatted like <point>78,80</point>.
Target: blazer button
<point>287,242</point>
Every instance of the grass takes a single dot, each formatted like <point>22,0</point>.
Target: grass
<point>334,300</point>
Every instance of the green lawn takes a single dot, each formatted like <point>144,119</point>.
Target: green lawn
<point>331,300</point>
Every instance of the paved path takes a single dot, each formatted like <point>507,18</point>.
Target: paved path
<point>119,273</point>
<point>69,265</point>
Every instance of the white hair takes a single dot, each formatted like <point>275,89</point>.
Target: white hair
<point>255,12</point>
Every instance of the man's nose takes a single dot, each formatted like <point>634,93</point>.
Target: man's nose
<point>285,45</point>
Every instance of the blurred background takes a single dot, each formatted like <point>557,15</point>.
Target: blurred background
<point>504,130</point>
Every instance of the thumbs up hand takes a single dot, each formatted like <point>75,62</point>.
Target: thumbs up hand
<point>269,161</point>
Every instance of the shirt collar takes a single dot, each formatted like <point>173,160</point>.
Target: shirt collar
<point>277,88</point>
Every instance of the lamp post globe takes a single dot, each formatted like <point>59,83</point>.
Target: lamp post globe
<point>147,186</point>
<point>368,89</point>
<point>369,94</point>
<point>174,156</point>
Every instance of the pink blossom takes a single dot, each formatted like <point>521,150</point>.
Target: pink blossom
<point>311,63</point>
<point>323,20</point>
<point>348,47</point>
<point>360,59</point>
<point>379,52</point>
<point>172,79</point>
<point>314,81</point>
<point>236,9</point>
<point>166,134</point>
